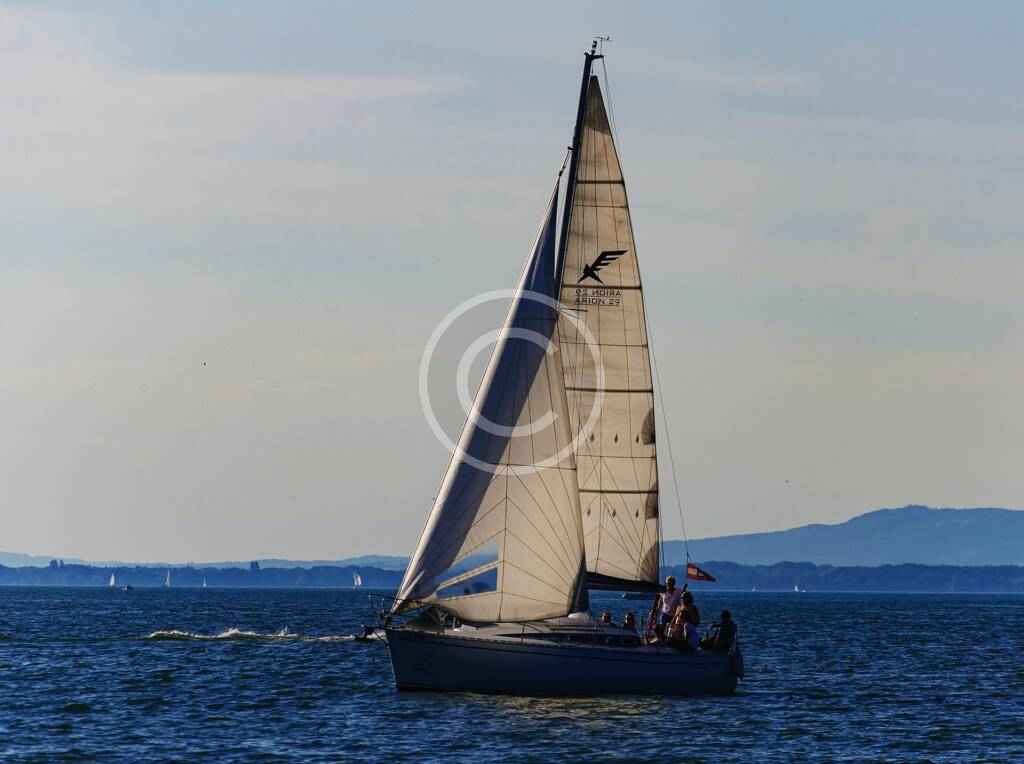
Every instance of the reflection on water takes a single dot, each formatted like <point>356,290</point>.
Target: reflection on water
<point>591,713</point>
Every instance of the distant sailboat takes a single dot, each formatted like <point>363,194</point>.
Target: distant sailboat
<point>167,580</point>
<point>530,516</point>
<point>357,580</point>
<point>113,581</point>
<point>204,582</point>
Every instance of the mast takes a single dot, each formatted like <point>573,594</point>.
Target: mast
<point>570,183</point>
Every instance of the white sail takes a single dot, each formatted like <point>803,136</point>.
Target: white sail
<point>616,456</point>
<point>357,580</point>
<point>504,541</point>
<point>113,580</point>
<point>167,580</point>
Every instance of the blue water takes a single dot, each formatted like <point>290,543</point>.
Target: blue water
<point>269,676</point>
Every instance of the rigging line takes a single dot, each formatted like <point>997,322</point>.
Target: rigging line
<point>568,153</point>
<point>671,456</point>
<point>611,116</point>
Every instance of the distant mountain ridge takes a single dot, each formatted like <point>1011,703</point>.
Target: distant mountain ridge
<point>913,534</point>
<point>908,535</point>
<point>384,562</point>
<point>780,577</point>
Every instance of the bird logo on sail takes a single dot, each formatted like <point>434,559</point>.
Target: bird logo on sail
<point>607,257</point>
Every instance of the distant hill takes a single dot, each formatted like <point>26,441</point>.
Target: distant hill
<point>189,577</point>
<point>383,562</point>
<point>780,577</point>
<point>913,534</point>
<point>908,535</point>
<point>18,560</point>
<point>787,576</point>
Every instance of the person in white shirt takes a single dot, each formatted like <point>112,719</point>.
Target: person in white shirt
<point>669,600</point>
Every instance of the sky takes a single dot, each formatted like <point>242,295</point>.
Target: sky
<point>228,231</point>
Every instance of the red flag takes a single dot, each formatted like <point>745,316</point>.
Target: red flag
<point>696,574</point>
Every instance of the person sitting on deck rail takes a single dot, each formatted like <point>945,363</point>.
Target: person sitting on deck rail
<point>722,636</point>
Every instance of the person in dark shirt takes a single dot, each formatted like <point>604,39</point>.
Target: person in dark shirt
<point>629,622</point>
<point>722,636</point>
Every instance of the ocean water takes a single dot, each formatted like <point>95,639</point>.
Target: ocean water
<point>178,675</point>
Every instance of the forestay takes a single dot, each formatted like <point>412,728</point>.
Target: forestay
<point>504,540</point>
<point>616,455</point>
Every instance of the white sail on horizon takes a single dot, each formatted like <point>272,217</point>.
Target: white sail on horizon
<point>616,454</point>
<point>504,540</point>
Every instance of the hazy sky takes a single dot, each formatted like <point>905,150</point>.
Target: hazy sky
<point>229,229</point>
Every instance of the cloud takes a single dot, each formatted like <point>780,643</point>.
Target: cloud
<point>88,139</point>
<point>725,78</point>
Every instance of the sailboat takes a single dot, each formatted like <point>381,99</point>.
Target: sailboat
<point>204,582</point>
<point>113,581</point>
<point>552,491</point>
<point>167,580</point>
<point>357,580</point>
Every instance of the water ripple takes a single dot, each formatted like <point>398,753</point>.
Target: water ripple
<point>179,675</point>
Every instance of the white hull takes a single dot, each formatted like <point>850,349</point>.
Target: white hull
<point>448,661</point>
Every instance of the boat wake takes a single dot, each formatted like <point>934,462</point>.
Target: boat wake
<point>241,635</point>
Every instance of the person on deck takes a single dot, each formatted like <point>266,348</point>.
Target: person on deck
<point>722,636</point>
<point>606,618</point>
<point>691,620</point>
<point>683,631</point>
<point>666,605</point>
<point>629,622</point>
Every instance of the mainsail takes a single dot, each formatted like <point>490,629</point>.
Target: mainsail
<point>609,387</point>
<point>504,540</point>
